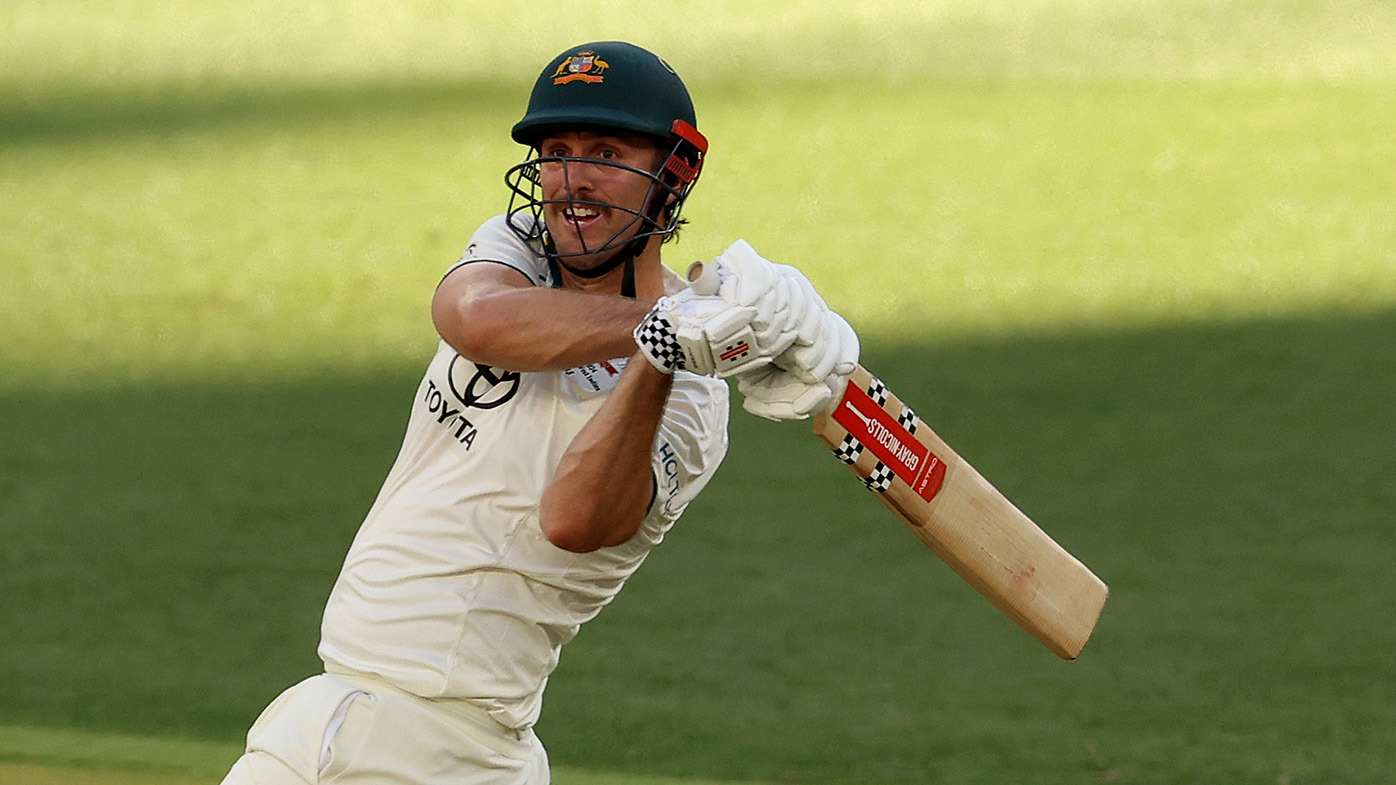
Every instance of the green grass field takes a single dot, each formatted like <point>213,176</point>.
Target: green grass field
<point>1137,262</point>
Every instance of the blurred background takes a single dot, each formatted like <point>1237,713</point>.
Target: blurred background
<point>1136,262</point>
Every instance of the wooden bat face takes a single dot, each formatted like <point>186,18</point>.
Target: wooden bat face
<point>961,517</point>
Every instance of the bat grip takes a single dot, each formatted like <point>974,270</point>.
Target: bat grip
<point>703,278</point>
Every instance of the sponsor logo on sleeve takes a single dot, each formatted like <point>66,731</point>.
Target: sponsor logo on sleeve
<point>668,476</point>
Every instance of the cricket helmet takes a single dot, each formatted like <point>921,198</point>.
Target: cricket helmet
<point>610,86</point>
<point>606,85</point>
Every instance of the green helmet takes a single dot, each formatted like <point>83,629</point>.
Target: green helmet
<point>606,84</point>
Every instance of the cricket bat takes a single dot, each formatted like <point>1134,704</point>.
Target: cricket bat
<point>956,512</point>
<point>961,517</point>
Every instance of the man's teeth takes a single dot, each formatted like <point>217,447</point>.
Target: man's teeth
<point>582,212</point>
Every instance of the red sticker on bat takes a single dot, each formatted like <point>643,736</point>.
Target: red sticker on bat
<point>890,441</point>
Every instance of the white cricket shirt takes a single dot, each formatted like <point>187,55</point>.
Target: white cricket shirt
<point>450,589</point>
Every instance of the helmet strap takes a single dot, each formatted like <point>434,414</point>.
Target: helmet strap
<point>624,256</point>
<point>627,282</point>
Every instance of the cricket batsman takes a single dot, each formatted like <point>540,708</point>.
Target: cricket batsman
<point>575,406</point>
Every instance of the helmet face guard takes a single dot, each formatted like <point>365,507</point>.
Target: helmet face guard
<point>607,86</point>
<point>659,214</point>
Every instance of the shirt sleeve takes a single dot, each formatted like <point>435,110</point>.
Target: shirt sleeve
<point>495,242</point>
<point>690,443</point>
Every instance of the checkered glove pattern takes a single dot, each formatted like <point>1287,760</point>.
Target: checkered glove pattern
<point>655,337</point>
<point>702,334</point>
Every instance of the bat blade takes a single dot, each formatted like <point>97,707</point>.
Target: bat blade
<point>961,517</point>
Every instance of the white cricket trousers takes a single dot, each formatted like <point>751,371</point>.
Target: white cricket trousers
<point>350,730</point>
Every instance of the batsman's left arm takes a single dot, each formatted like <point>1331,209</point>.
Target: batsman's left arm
<point>604,483</point>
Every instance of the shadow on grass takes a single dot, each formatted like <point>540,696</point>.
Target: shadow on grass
<point>166,552</point>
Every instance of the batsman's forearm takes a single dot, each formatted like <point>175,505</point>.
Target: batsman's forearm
<point>537,329</point>
<point>604,483</point>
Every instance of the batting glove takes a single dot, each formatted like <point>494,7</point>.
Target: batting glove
<point>792,321</point>
<point>778,395</point>
<point>784,301</point>
<point>703,334</point>
<point>832,351</point>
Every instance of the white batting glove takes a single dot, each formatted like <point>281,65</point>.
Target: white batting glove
<point>779,395</point>
<point>808,315</point>
<point>832,351</point>
<point>700,333</point>
<point>780,294</point>
<point>746,276</point>
<point>791,322</point>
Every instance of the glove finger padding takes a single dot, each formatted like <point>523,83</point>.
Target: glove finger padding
<point>834,352</point>
<point>788,321</point>
<point>772,306</point>
<point>784,299</point>
<point>779,395</point>
<point>810,325</point>
<point>776,317</point>
<point>794,273</point>
<point>748,276</point>
<point>850,347</point>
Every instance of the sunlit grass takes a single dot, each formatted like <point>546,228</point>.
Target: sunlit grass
<point>237,244</point>
<point>108,43</point>
<point>209,189</point>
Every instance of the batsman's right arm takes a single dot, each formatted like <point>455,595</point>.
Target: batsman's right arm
<point>491,314</point>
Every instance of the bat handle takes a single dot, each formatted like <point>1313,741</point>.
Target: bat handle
<point>703,278</point>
